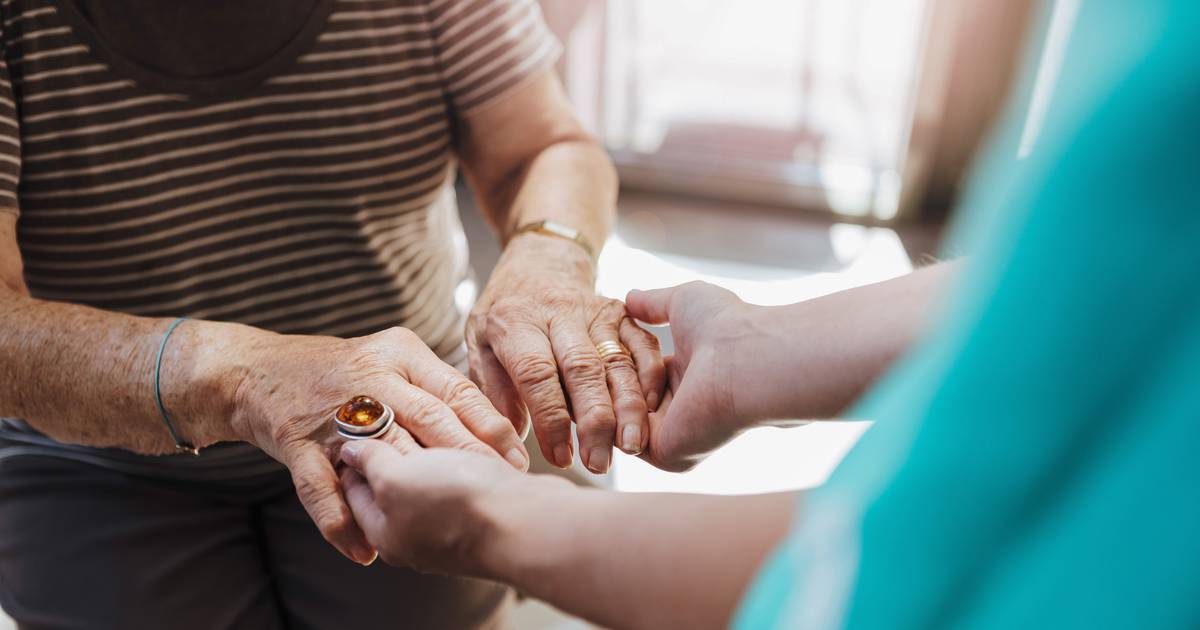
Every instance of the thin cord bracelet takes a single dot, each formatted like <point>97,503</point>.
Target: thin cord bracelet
<point>181,445</point>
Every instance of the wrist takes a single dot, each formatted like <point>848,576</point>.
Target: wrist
<point>762,360</point>
<point>202,371</point>
<point>812,354</point>
<point>519,533</point>
<point>550,254</point>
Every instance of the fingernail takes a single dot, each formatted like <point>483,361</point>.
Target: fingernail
<point>631,439</point>
<point>598,462</point>
<point>518,459</point>
<point>351,451</point>
<point>562,455</point>
<point>365,556</point>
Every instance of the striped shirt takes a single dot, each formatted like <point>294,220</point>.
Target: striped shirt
<point>311,194</point>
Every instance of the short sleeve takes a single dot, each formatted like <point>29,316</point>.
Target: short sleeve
<point>486,48</point>
<point>10,141</point>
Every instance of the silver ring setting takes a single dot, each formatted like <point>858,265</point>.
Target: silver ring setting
<point>363,418</point>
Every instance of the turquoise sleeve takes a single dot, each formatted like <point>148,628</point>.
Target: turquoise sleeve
<point>1057,398</point>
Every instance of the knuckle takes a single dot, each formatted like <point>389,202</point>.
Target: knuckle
<point>560,302</point>
<point>534,370</point>
<point>398,335</point>
<point>380,348</point>
<point>496,431</point>
<point>287,432</point>
<point>498,317</point>
<point>630,399</point>
<point>580,364</point>
<point>477,447</point>
<point>334,525</point>
<point>460,393</point>
<point>477,330</point>
<point>611,311</point>
<point>648,339</point>
<point>425,413</point>
<point>652,371</point>
<point>388,491</point>
<point>477,318</point>
<point>474,343</point>
<point>503,308</point>
<point>598,421</point>
<point>618,362</point>
<point>404,445</point>
<point>553,422</point>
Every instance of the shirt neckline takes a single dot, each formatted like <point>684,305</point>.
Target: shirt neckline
<point>200,88</point>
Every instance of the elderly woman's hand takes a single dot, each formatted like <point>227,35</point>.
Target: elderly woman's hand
<point>291,385</point>
<point>533,337</point>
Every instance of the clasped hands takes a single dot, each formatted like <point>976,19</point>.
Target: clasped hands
<point>431,509</point>
<point>533,339</point>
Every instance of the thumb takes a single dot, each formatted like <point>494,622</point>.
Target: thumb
<point>370,458</point>
<point>652,307</point>
<point>362,504</point>
<point>317,488</point>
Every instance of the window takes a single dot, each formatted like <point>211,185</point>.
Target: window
<point>793,102</point>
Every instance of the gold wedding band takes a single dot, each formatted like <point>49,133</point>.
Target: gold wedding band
<point>608,349</point>
<point>363,418</point>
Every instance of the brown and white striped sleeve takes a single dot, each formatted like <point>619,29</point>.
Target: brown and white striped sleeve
<point>486,48</point>
<point>10,138</point>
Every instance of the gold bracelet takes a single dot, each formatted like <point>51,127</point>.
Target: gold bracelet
<point>550,228</point>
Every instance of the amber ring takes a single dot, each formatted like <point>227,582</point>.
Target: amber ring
<point>363,418</point>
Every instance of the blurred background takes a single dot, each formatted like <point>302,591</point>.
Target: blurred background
<point>784,149</point>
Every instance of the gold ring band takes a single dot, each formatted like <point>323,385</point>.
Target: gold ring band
<point>608,349</point>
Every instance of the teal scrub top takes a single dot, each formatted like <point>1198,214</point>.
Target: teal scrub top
<point>1034,461</point>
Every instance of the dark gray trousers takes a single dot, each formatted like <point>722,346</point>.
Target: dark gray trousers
<point>87,547</point>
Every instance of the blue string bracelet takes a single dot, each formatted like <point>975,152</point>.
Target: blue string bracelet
<point>181,445</point>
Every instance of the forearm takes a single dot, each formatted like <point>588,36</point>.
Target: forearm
<point>528,159</point>
<point>634,560</point>
<point>85,376</point>
<point>835,346</point>
<point>571,182</point>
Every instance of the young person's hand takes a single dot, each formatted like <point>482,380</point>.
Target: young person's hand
<point>433,509</point>
<point>715,361</point>
<point>622,560</point>
<point>737,366</point>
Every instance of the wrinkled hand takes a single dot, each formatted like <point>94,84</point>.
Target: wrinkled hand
<point>291,386</point>
<point>423,509</point>
<point>713,332</point>
<point>532,338</point>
